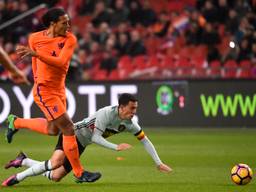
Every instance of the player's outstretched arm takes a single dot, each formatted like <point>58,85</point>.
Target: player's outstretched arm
<point>152,151</point>
<point>98,139</point>
<point>16,75</point>
<point>65,55</point>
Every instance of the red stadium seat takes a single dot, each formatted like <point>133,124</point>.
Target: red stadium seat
<point>125,67</point>
<point>125,62</point>
<point>215,69</point>
<point>185,52</point>
<point>125,73</point>
<point>184,67</point>
<point>114,75</point>
<point>168,63</point>
<point>199,66</point>
<point>176,5</point>
<point>230,69</point>
<point>190,2</point>
<point>199,51</point>
<point>139,62</point>
<point>167,67</point>
<point>153,61</point>
<point>152,45</point>
<point>100,75</point>
<point>245,69</point>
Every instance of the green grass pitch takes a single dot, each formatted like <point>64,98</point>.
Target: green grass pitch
<point>201,160</point>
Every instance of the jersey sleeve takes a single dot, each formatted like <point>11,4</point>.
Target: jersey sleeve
<point>64,56</point>
<point>139,133</point>
<point>101,120</point>
<point>98,139</point>
<point>31,42</point>
<point>151,150</point>
<point>100,126</point>
<point>136,130</point>
<point>31,46</point>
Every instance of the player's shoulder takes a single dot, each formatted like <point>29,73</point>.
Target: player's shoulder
<point>71,37</point>
<point>134,123</point>
<point>36,35</point>
<point>128,122</point>
<point>106,109</point>
<point>131,126</point>
<point>108,112</point>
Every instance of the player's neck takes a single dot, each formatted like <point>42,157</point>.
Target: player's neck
<point>50,33</point>
<point>119,113</point>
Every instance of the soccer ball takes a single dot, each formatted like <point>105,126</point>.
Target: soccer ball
<point>241,174</point>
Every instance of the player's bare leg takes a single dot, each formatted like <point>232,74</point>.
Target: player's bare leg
<point>70,147</point>
<point>55,173</point>
<point>40,125</point>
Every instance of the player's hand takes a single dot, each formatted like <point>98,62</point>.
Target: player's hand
<point>164,168</point>
<point>123,146</point>
<point>24,51</point>
<point>19,77</point>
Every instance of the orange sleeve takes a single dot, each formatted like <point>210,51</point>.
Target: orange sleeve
<point>64,56</point>
<point>30,43</point>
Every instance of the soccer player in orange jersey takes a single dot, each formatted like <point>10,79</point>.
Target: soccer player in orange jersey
<point>51,51</point>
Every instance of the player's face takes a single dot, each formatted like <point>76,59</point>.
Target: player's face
<point>62,25</point>
<point>128,111</point>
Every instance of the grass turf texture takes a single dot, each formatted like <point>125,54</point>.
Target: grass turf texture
<point>201,159</point>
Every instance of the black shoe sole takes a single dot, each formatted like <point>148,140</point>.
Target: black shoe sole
<point>10,134</point>
<point>90,180</point>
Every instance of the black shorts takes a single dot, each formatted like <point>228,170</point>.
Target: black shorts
<point>59,146</point>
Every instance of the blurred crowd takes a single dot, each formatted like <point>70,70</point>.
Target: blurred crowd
<point>146,39</point>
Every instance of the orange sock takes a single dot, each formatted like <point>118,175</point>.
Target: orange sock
<point>71,151</point>
<point>35,124</point>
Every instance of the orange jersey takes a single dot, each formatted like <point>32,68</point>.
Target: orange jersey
<point>54,54</point>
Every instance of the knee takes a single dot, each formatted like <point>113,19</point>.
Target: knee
<point>53,132</point>
<point>68,129</point>
<point>68,132</point>
<point>57,163</point>
<point>56,178</point>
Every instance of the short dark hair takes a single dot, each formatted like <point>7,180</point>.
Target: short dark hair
<point>125,98</point>
<point>52,15</point>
